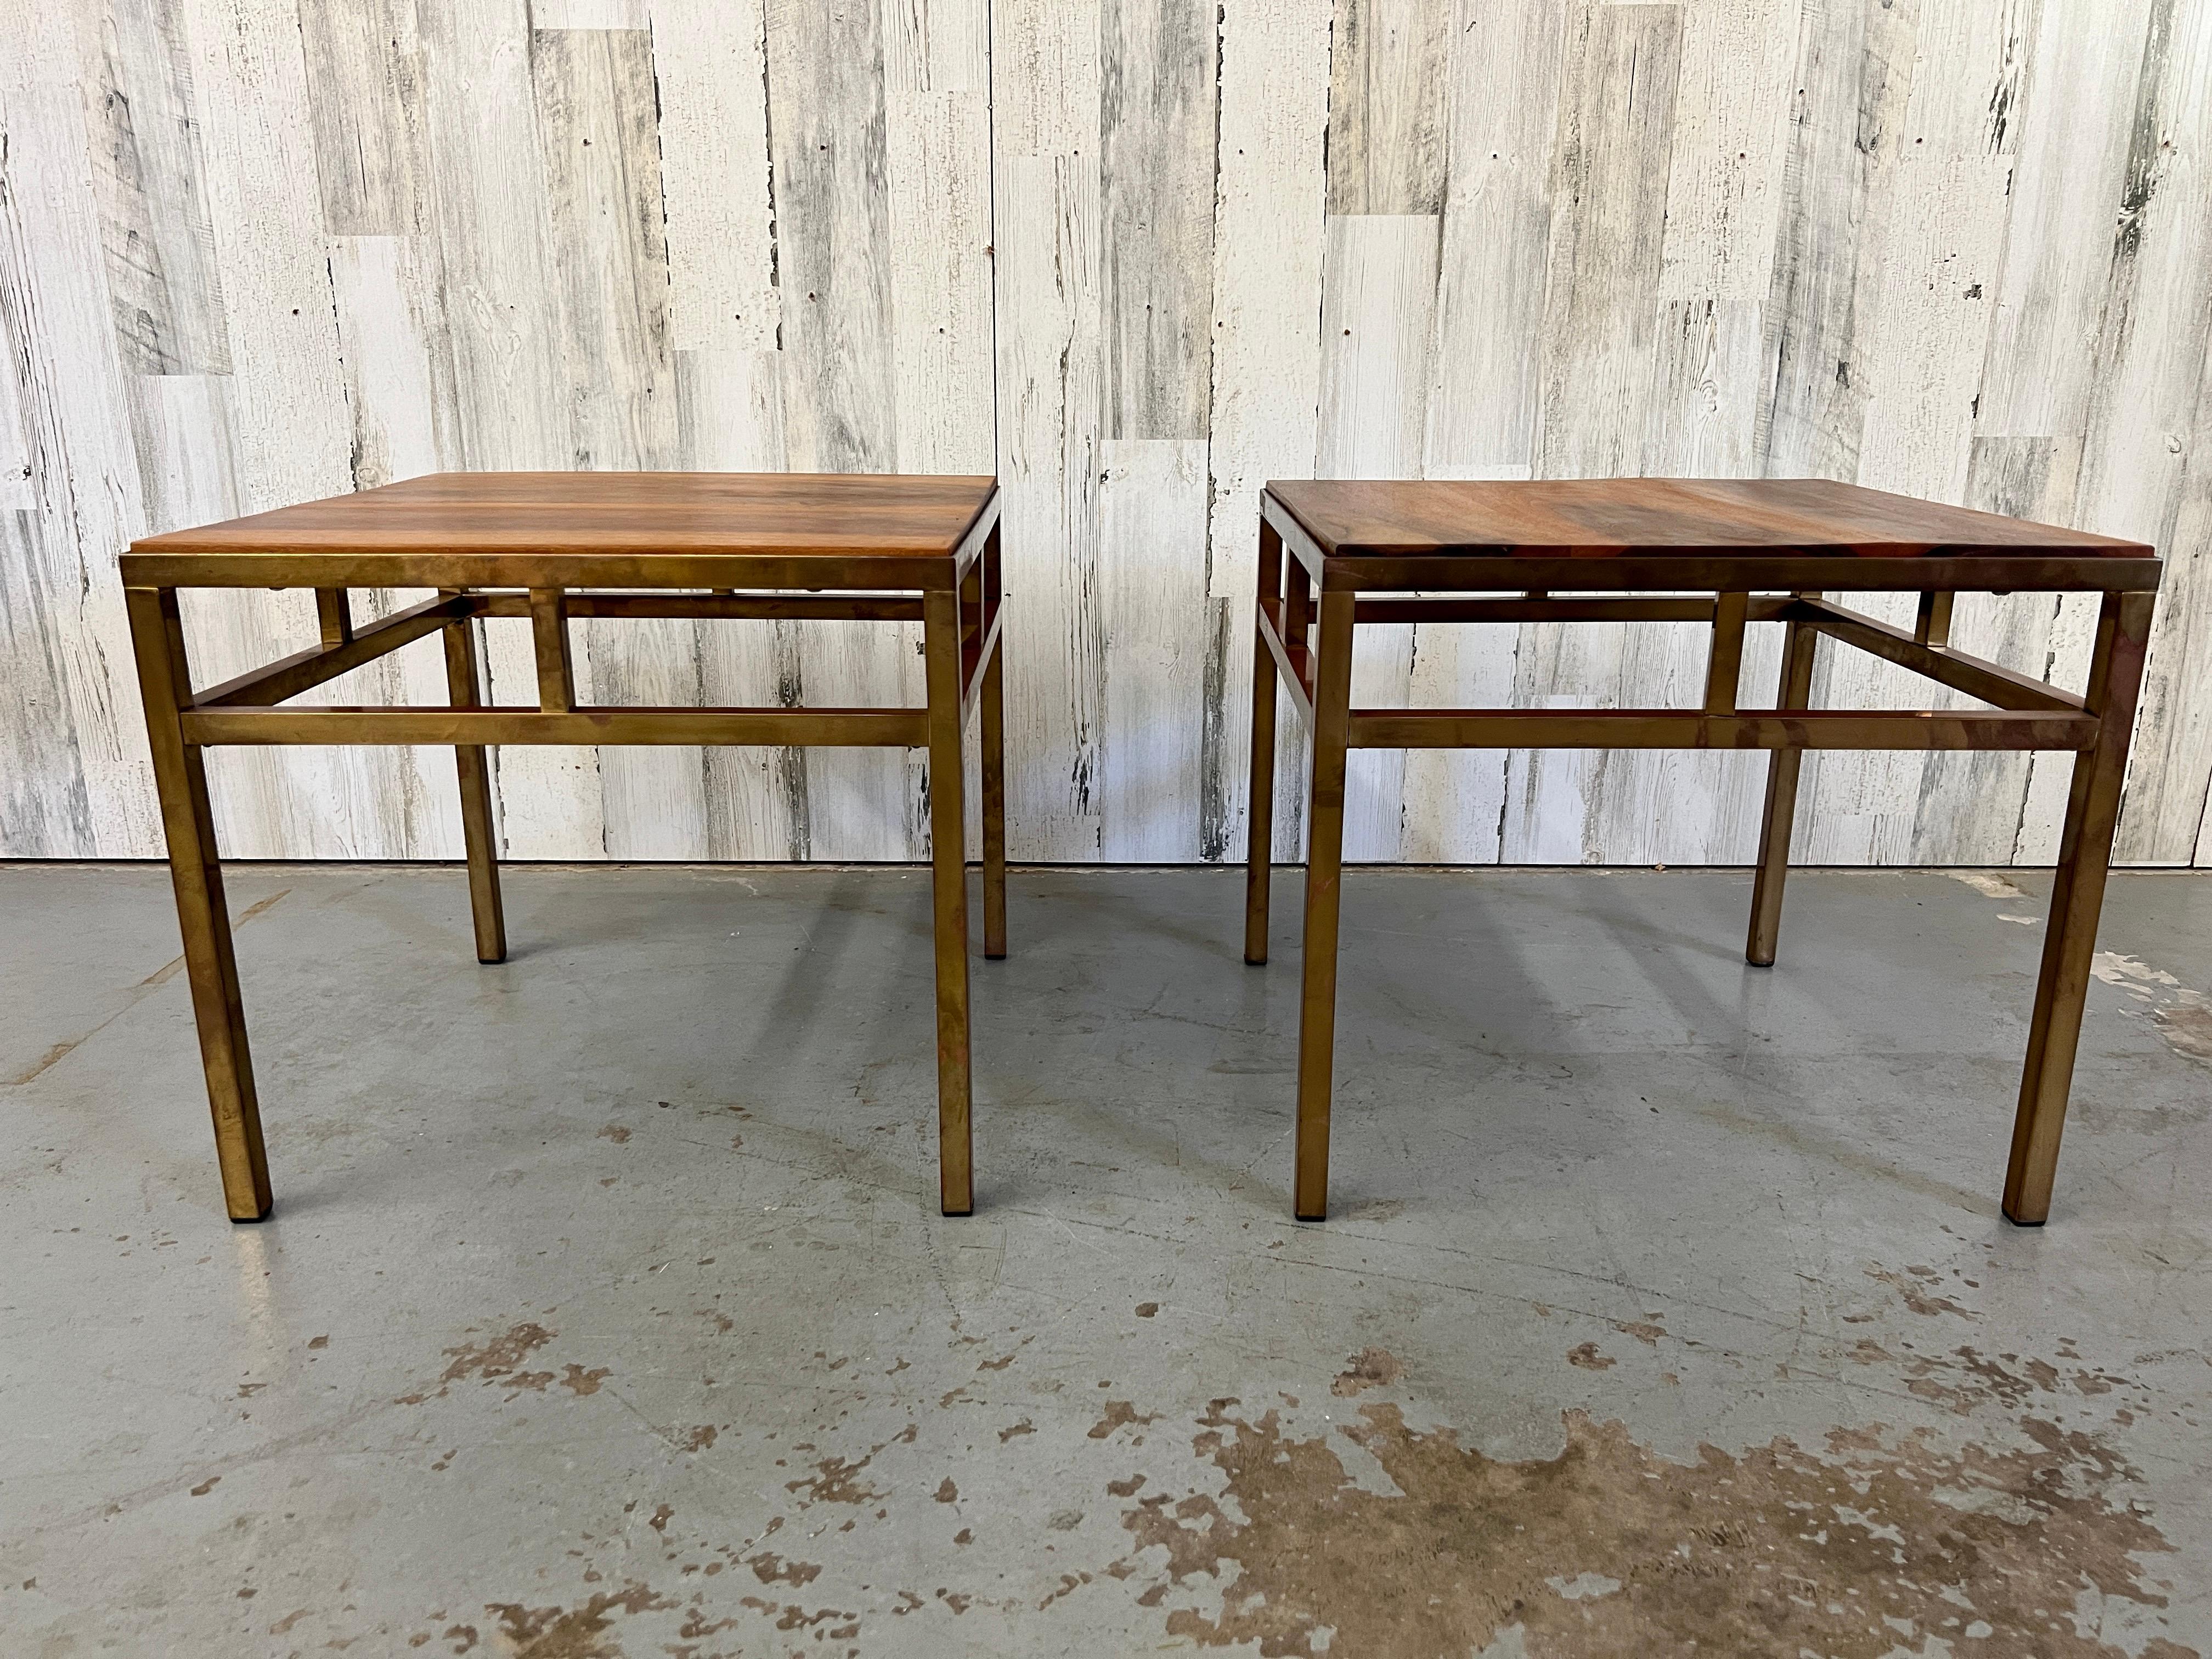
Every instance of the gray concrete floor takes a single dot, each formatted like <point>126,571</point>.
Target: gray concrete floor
<point>1665,1305</point>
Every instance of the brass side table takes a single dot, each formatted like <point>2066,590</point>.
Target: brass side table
<point>522,545</point>
<point>1625,549</point>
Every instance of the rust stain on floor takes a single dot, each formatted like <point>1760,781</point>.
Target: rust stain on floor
<point>1871,1545</point>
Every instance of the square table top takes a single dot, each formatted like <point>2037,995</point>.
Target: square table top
<point>595,530</point>
<point>1732,535</point>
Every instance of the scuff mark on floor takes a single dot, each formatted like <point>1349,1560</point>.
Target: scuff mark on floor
<point>161,975</point>
<point>2181,1015</point>
<point>1985,883</point>
<point>1882,1541</point>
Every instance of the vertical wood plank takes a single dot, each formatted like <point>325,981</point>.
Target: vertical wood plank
<point>2033,410</point>
<point>1853,76</point>
<point>1504,79</point>
<point>365,73</point>
<point>77,466</point>
<point>495,260</point>
<point>1620,72</point>
<point>1724,197</point>
<point>937,167</point>
<point>731,411</point>
<point>829,151</point>
<point>2147,443</point>
<point>289,430</point>
<point>1264,413</point>
<point>1045,80</point>
<point>1151,508</point>
<point>1157,127</point>
<point>1923,334</point>
<point>597,100</point>
<point>1389,82</point>
<point>1378,314</point>
<point>710,65</point>
<point>144,126</point>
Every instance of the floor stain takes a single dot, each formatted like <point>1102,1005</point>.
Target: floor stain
<point>1371,1368</point>
<point>581,1632</point>
<point>1118,1413</point>
<point>1881,1543</point>
<point>1914,1292</point>
<point>1588,1358</point>
<point>495,1358</point>
<point>2186,1025</point>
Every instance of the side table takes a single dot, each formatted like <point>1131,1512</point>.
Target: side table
<point>548,547</point>
<point>1743,550</point>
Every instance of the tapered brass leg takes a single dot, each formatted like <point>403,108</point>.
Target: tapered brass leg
<point>994,769</point>
<point>1799,644</point>
<point>1260,807</point>
<point>473,764</point>
<point>1324,876</point>
<point>949,887</point>
<point>2077,893</point>
<point>203,917</point>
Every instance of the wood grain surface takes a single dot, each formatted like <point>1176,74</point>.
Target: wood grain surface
<point>1135,257</point>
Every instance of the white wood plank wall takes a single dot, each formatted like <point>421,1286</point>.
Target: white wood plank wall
<point>1138,256</point>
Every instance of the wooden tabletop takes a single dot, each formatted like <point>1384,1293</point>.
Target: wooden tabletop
<point>1713,534</point>
<point>593,529</point>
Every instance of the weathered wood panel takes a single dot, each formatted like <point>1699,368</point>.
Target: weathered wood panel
<point>1264,418</point>
<point>1048,213</point>
<point>1138,256</point>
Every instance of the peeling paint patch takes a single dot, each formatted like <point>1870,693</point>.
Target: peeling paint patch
<point>1118,1413</point>
<point>2133,975</point>
<point>496,1359</point>
<point>569,1632</point>
<point>1882,1541</point>
<point>1371,1368</point>
<point>1915,1294</point>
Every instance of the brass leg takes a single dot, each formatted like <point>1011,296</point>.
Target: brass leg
<point>2077,893</point>
<point>994,770</point>
<point>948,884</point>
<point>1260,808</point>
<point>203,917</point>
<point>1799,644</point>
<point>472,763</point>
<point>1324,876</point>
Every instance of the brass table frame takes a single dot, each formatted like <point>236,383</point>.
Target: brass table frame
<point>1302,590</point>
<point>961,623</point>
